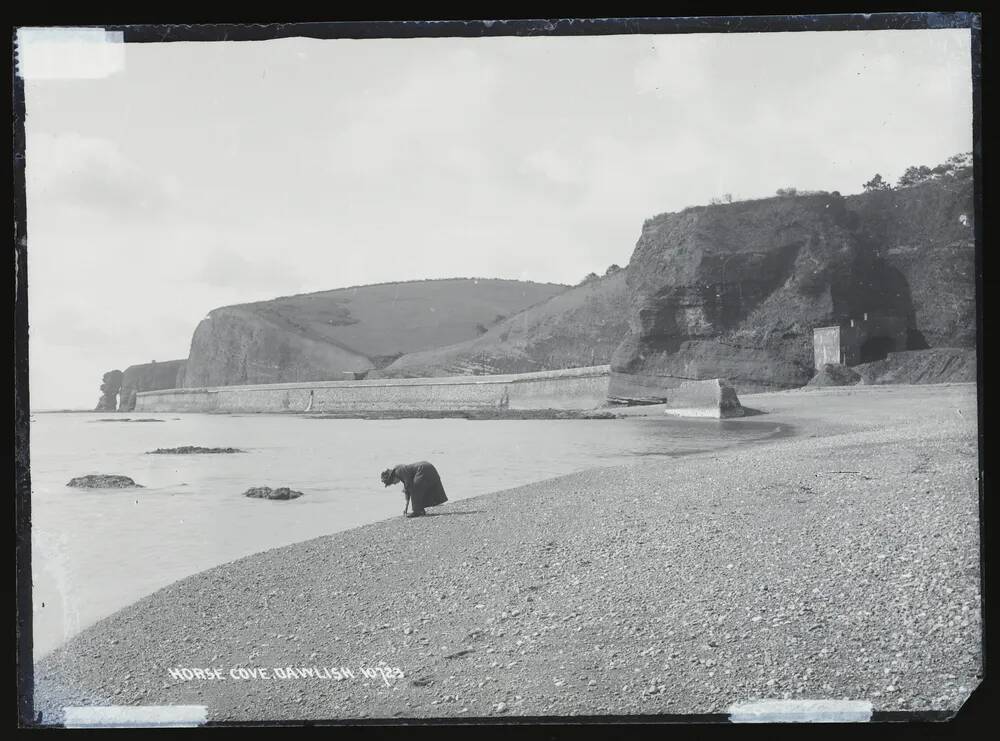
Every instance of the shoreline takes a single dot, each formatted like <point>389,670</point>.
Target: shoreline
<point>549,573</point>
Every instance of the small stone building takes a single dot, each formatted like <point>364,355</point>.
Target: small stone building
<point>864,339</point>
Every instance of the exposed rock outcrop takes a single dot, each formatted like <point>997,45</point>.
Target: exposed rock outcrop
<point>103,481</point>
<point>266,492</point>
<point>110,386</point>
<point>152,376</point>
<point>734,290</point>
<point>936,365</point>
<point>577,328</point>
<point>235,346</point>
<point>325,336</point>
<point>835,374</point>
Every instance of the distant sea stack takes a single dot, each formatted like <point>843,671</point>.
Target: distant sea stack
<point>111,384</point>
<point>734,290</point>
<point>333,335</point>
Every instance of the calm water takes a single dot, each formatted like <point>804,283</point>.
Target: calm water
<point>94,551</point>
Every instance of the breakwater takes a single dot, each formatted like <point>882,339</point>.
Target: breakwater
<point>573,388</point>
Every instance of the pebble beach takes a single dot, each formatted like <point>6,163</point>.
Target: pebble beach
<point>838,562</point>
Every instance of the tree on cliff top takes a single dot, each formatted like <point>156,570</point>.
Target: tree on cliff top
<point>876,183</point>
<point>914,175</point>
<point>958,164</point>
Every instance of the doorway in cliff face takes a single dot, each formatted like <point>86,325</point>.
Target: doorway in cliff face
<point>915,340</point>
<point>875,348</point>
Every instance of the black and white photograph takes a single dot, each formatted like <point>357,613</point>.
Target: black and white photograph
<point>499,371</point>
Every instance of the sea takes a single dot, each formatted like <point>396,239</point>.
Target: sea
<point>96,551</point>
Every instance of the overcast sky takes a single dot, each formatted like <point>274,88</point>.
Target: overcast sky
<point>188,176</point>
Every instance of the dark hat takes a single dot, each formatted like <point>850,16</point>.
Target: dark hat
<point>387,476</point>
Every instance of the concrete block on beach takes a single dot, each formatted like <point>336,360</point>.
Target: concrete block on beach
<point>712,398</point>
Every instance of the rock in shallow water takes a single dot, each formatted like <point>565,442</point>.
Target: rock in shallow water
<point>266,492</point>
<point>103,481</point>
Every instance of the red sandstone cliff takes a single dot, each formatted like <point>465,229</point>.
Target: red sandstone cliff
<point>734,290</point>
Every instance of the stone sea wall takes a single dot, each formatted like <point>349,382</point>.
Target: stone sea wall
<point>575,388</point>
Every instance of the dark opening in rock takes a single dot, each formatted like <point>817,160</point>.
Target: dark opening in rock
<point>875,348</point>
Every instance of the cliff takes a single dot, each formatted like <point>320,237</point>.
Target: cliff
<point>735,290</point>
<point>319,336</point>
<point>152,376</point>
<point>926,232</point>
<point>936,365</point>
<point>579,327</point>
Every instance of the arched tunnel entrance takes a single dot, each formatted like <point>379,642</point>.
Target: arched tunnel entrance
<point>875,348</point>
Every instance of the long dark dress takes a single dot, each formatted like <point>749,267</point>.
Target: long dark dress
<point>422,484</point>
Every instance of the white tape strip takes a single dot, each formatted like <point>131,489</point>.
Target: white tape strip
<point>142,716</point>
<point>801,711</point>
<point>69,53</point>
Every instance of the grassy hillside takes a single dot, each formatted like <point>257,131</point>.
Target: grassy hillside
<point>579,327</point>
<point>393,318</point>
<point>318,336</point>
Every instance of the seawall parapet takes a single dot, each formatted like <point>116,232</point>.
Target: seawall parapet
<point>572,388</point>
